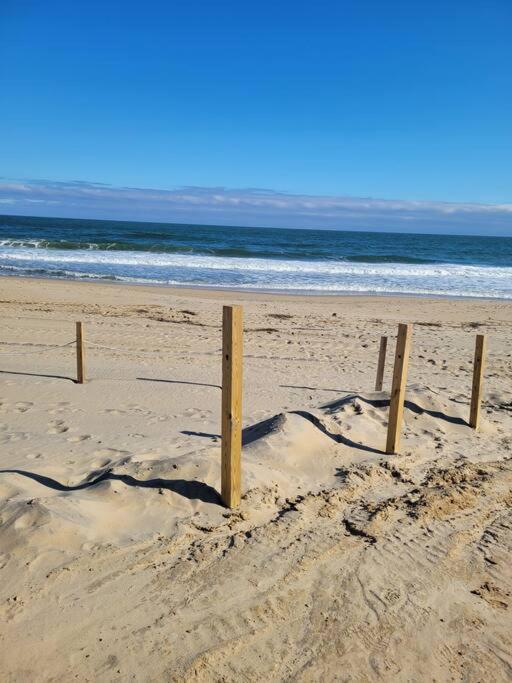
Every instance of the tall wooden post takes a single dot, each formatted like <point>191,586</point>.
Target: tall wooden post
<point>396,403</point>
<point>80,354</point>
<point>478,376</point>
<point>381,364</point>
<point>231,405</point>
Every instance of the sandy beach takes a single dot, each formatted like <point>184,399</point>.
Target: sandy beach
<point>117,560</point>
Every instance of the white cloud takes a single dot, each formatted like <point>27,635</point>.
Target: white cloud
<point>254,207</point>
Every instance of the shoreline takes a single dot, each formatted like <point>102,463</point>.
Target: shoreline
<point>210,291</point>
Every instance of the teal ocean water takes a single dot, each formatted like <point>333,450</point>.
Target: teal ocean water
<point>315,261</point>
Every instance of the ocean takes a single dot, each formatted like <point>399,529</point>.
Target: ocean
<point>271,259</point>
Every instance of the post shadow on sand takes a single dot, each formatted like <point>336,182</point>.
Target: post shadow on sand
<point>205,435</point>
<point>37,374</point>
<point>249,434</point>
<point>193,490</point>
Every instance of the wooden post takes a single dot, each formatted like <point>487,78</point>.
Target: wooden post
<point>80,354</point>
<point>381,364</point>
<point>478,375</point>
<point>396,403</point>
<point>231,405</point>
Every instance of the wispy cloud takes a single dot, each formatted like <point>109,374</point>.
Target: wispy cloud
<point>250,207</point>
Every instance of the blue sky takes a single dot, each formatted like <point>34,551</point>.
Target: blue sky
<point>404,101</point>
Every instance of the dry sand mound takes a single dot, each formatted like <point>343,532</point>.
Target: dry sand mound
<point>341,564</point>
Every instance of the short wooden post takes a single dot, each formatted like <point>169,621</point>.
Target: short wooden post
<point>80,354</point>
<point>396,403</point>
<point>231,405</point>
<point>478,376</point>
<point>381,364</point>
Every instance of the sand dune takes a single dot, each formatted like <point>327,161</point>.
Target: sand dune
<point>342,563</point>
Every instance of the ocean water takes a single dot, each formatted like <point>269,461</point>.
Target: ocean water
<point>314,261</point>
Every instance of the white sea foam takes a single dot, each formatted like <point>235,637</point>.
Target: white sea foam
<point>258,273</point>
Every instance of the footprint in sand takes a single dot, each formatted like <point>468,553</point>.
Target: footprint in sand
<point>9,437</point>
<point>61,407</point>
<point>197,413</point>
<point>135,408</point>
<point>114,411</point>
<point>57,427</point>
<point>155,420</point>
<point>23,406</point>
